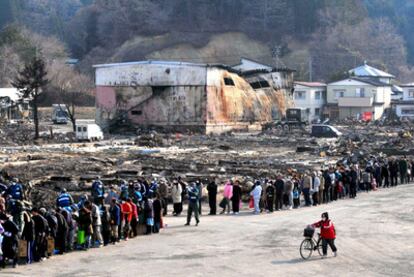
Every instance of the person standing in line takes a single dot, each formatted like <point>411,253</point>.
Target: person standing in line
<point>227,195</point>
<point>270,196</point>
<point>385,175</point>
<point>10,243</point>
<point>149,214</point>
<point>97,240</point>
<point>403,168</point>
<point>127,213</point>
<point>316,182</point>
<point>28,235</point>
<point>176,194</point>
<point>157,205</point>
<point>112,194</point>
<point>192,204</point>
<point>321,187</point>
<point>98,190</point>
<point>236,199</point>
<point>280,186</point>
<point>41,232</point>
<point>296,194</point>
<point>212,197</point>
<point>163,192</point>
<point>307,185</point>
<point>353,176</point>
<point>256,193</point>
<point>115,220</point>
<point>183,192</point>
<point>199,186</point>
<point>61,233</point>
<point>134,219</point>
<point>393,172</point>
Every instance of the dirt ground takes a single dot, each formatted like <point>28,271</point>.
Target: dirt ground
<point>374,239</point>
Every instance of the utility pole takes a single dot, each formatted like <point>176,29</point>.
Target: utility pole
<point>276,51</point>
<point>310,69</point>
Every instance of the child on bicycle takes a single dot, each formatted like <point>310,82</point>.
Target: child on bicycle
<point>328,234</point>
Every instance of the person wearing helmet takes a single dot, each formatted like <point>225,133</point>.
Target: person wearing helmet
<point>124,191</point>
<point>328,234</point>
<point>64,199</point>
<point>15,190</point>
<point>98,190</point>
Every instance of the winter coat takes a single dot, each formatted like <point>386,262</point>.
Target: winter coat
<point>327,229</point>
<point>322,185</point>
<point>256,192</point>
<point>307,182</point>
<point>96,215</point>
<point>157,206</point>
<point>237,193</point>
<point>115,215</point>
<point>127,212</point>
<point>288,187</point>
<point>316,184</point>
<point>212,189</point>
<point>41,225</point>
<point>10,242</point>
<point>176,193</point>
<point>148,209</point>
<point>28,233</point>
<point>228,191</point>
<point>163,190</point>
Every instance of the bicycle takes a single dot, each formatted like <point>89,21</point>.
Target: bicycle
<point>309,244</point>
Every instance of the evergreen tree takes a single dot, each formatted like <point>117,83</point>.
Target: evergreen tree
<point>30,82</point>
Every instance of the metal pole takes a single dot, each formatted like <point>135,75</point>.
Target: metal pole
<point>310,69</point>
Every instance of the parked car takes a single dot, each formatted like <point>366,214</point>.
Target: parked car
<point>324,131</point>
<point>87,130</point>
<point>60,114</point>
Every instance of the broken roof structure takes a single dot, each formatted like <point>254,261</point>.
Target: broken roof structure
<point>11,104</point>
<point>211,98</point>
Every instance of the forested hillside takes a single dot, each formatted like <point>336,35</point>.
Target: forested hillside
<point>327,36</point>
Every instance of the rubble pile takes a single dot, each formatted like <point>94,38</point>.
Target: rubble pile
<point>13,134</point>
<point>51,167</point>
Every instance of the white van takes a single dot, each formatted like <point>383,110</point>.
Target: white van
<point>88,130</point>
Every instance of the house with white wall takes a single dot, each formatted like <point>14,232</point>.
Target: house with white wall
<point>404,108</point>
<point>310,96</point>
<point>360,98</point>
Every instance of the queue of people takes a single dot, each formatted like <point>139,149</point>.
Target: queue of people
<point>105,216</point>
<point>111,213</point>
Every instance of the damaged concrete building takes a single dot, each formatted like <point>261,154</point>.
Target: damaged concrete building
<point>12,105</point>
<point>178,96</point>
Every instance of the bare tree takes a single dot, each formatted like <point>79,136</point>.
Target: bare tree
<point>71,86</point>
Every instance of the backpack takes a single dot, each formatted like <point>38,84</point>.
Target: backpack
<point>296,194</point>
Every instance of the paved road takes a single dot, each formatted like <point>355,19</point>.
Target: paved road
<point>374,239</point>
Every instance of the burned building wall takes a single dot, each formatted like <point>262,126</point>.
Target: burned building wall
<point>207,98</point>
<point>151,93</point>
<point>234,102</point>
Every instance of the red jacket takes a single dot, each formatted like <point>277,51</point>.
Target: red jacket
<point>327,229</point>
<point>127,212</point>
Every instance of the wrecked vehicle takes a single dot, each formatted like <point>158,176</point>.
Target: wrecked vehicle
<point>324,131</point>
